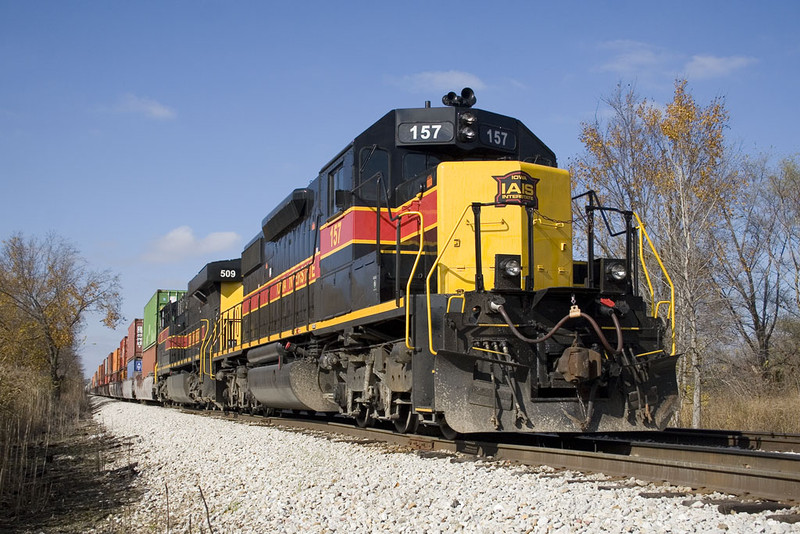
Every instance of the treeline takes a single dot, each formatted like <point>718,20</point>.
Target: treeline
<point>727,226</point>
<point>46,292</point>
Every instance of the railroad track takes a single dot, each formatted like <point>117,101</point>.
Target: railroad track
<point>653,456</point>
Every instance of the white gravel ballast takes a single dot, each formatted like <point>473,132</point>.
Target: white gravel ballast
<point>263,479</point>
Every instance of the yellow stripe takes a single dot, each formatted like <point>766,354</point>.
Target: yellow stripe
<point>358,314</point>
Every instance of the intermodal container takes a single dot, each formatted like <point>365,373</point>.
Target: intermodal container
<point>133,343</point>
<point>109,367</point>
<point>148,361</point>
<point>115,362</point>
<point>151,323</point>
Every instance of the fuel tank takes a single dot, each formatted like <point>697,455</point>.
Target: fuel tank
<point>289,386</point>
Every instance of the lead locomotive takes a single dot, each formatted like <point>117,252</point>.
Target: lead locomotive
<point>426,276</point>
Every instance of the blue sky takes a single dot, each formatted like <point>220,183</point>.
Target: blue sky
<point>156,135</point>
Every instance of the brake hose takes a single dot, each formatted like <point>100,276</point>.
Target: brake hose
<point>571,315</point>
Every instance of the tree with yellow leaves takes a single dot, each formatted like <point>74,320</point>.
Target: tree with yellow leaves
<point>668,164</point>
<point>46,292</point>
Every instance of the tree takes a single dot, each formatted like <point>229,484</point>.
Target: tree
<point>751,251</point>
<point>669,165</point>
<point>46,292</point>
<point>786,189</point>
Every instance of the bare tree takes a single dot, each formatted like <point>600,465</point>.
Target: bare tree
<point>46,292</point>
<point>750,252</point>
<point>785,185</point>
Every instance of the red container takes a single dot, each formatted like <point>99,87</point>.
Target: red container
<point>133,343</point>
<point>109,367</point>
<point>148,361</point>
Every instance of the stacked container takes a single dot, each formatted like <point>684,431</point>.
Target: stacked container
<point>152,316</point>
<point>151,325</point>
<point>133,342</point>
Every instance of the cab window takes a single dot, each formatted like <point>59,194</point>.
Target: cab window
<point>373,160</point>
<point>415,164</point>
<point>335,181</point>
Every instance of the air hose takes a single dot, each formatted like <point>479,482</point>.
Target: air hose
<point>574,313</point>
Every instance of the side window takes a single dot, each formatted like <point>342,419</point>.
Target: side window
<point>335,181</point>
<point>373,160</point>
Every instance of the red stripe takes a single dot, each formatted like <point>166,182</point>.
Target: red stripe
<point>359,224</point>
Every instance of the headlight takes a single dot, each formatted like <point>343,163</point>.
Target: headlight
<point>507,269</point>
<point>617,271</point>
<point>467,133</point>
<point>468,118</point>
<point>512,268</point>
<point>466,127</point>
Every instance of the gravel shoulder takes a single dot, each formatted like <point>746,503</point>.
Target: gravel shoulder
<point>196,474</point>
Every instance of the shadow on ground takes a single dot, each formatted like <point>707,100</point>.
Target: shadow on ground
<point>87,477</point>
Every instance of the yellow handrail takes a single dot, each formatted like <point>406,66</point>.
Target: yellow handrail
<point>202,349</point>
<point>413,271</point>
<point>211,348</point>
<point>430,274</point>
<point>671,309</point>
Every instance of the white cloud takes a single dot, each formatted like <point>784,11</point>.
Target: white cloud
<point>130,103</point>
<point>631,58</point>
<point>704,67</point>
<point>181,243</point>
<point>449,80</point>
<point>642,60</point>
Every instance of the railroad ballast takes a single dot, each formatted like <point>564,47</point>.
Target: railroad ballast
<point>425,276</point>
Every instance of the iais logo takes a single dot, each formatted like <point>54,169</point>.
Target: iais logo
<point>516,187</point>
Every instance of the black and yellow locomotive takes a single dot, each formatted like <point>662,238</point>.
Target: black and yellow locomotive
<point>426,276</point>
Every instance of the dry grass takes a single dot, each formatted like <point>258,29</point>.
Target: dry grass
<point>30,421</point>
<point>776,412</point>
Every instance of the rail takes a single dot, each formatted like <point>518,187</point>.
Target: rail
<point>430,275</point>
<point>413,270</point>
<point>656,305</point>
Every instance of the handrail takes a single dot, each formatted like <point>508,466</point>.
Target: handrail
<point>413,270</point>
<point>203,346</point>
<point>671,302</point>
<point>430,274</point>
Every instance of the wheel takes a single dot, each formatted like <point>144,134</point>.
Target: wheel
<point>447,432</point>
<point>363,417</point>
<point>407,422</point>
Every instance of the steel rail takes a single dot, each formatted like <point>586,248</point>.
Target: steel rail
<point>765,441</point>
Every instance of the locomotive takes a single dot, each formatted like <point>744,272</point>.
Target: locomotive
<point>426,276</point>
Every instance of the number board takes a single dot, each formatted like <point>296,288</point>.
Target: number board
<point>498,137</point>
<point>225,272</point>
<point>425,132</point>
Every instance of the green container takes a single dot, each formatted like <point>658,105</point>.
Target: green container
<point>152,318</point>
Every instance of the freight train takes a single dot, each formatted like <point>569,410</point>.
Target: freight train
<point>425,276</point>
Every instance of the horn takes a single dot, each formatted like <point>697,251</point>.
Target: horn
<point>468,97</point>
<point>449,99</point>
